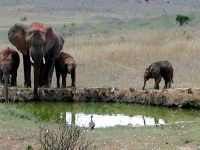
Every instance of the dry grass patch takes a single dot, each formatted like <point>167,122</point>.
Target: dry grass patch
<point>119,59</point>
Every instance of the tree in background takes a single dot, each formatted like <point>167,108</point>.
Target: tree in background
<point>182,19</point>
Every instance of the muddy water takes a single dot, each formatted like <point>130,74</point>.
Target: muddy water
<point>108,114</point>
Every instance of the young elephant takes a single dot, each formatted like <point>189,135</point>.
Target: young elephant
<point>9,63</point>
<point>65,63</point>
<point>157,70</point>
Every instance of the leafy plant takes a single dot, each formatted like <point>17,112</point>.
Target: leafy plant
<point>182,19</point>
<point>73,24</point>
<point>29,148</point>
<point>24,18</point>
<point>187,141</point>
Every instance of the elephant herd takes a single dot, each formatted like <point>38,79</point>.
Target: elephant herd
<point>41,47</point>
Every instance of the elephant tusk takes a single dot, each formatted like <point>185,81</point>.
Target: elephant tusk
<point>43,60</point>
<point>43,57</point>
<point>31,60</point>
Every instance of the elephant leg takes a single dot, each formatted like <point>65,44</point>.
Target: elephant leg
<point>157,81</point>
<point>57,75</point>
<point>48,72</point>
<point>73,77</point>
<point>51,74</point>
<point>166,83</point>
<point>1,77</point>
<point>14,78</point>
<point>6,78</point>
<point>169,84</point>
<point>27,70</point>
<point>58,79</point>
<point>64,82</point>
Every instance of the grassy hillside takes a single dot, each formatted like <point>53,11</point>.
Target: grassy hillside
<point>95,11</point>
<point>113,41</point>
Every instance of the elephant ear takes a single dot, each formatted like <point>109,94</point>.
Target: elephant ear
<point>50,39</point>
<point>16,35</point>
<point>155,70</point>
<point>61,41</point>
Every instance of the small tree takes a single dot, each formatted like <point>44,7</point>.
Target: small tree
<point>182,19</point>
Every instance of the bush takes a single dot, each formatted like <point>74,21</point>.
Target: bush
<point>182,19</point>
<point>24,18</point>
<point>62,136</point>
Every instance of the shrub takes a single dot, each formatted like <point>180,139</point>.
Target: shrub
<point>73,24</point>
<point>182,19</point>
<point>62,136</point>
<point>29,147</point>
<point>24,18</point>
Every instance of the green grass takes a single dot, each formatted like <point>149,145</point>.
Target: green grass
<point>15,125</point>
<point>101,29</point>
<point>172,136</point>
<point>118,58</point>
<point>107,24</point>
<point>167,137</point>
<point>18,114</point>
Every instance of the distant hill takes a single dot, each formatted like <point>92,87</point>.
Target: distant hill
<point>126,7</point>
<point>69,16</point>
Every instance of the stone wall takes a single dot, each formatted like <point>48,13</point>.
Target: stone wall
<point>179,97</point>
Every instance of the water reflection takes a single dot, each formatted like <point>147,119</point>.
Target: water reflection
<point>107,114</point>
<point>102,121</point>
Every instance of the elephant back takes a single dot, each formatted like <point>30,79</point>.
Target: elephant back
<point>7,54</point>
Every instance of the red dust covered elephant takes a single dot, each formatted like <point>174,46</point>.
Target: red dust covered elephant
<point>65,64</point>
<point>9,63</point>
<point>39,45</point>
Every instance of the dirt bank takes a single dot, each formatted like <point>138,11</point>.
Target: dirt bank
<point>179,97</point>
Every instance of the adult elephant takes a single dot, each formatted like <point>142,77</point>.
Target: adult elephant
<point>39,45</point>
<point>157,70</point>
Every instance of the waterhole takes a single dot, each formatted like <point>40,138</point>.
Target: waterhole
<point>107,114</point>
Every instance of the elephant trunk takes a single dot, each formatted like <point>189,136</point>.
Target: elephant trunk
<point>36,77</point>
<point>6,78</point>
<point>36,54</point>
<point>69,69</point>
<point>144,83</point>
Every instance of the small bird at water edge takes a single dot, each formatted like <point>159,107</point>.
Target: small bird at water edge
<point>91,123</point>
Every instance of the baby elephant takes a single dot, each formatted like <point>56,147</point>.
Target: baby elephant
<point>9,63</point>
<point>65,63</point>
<point>157,70</point>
